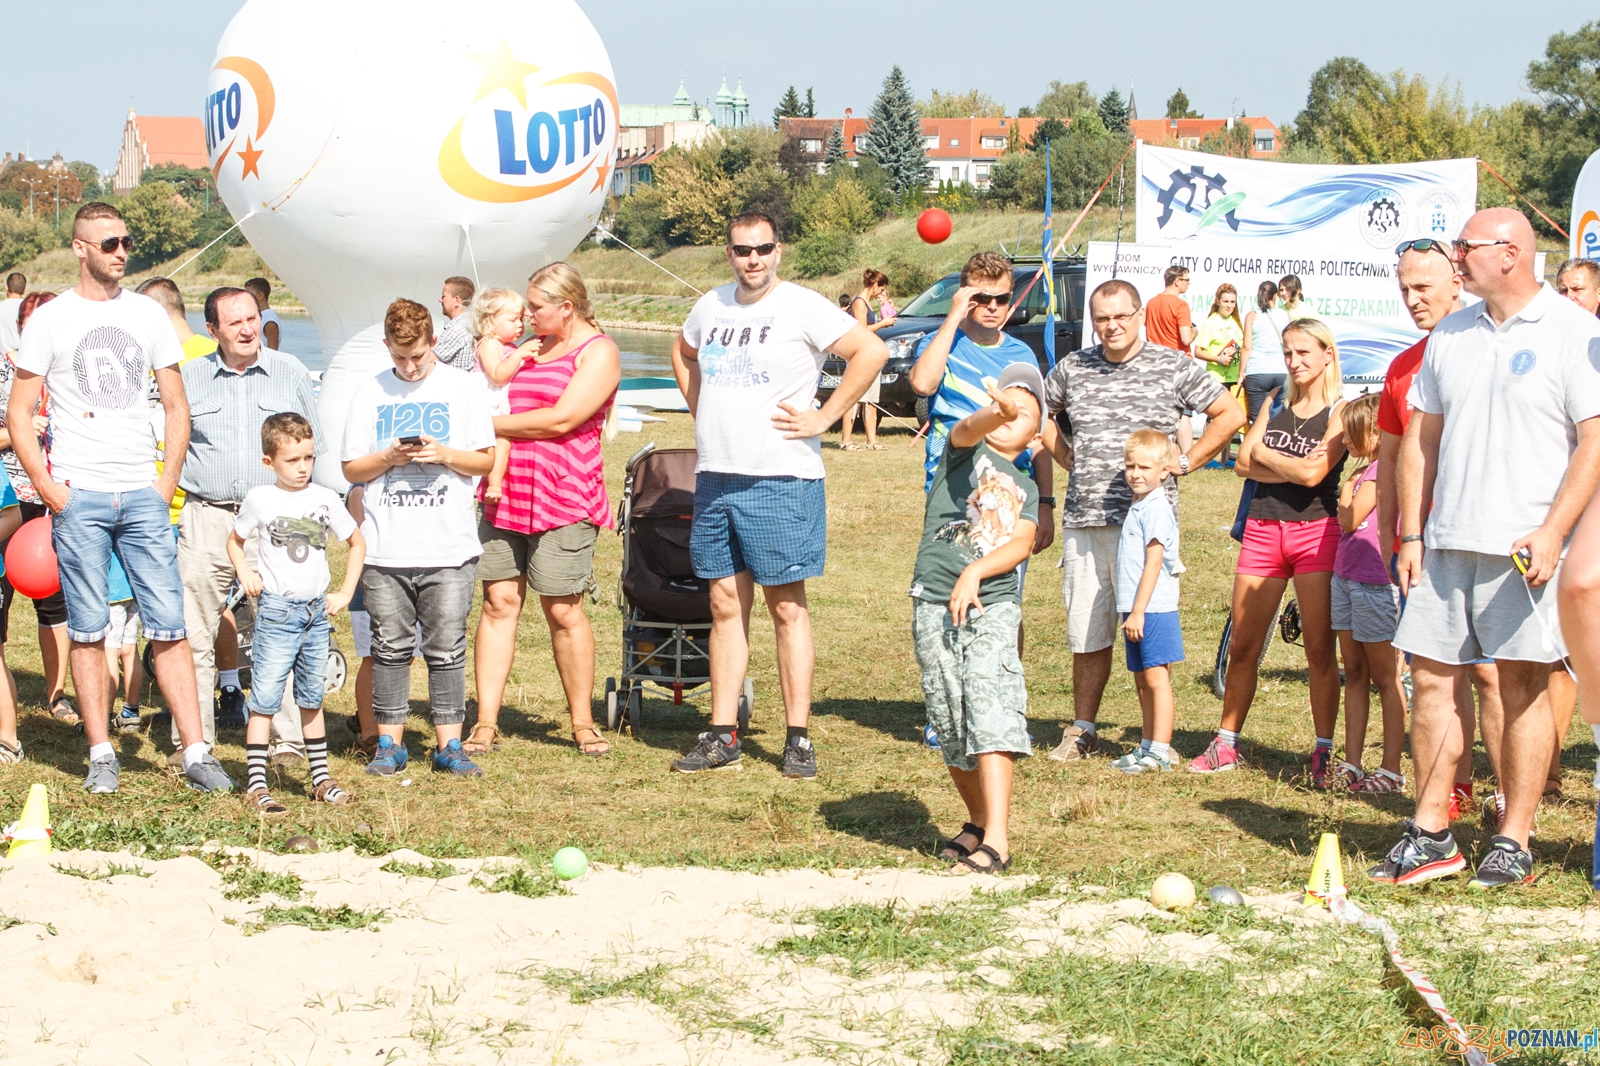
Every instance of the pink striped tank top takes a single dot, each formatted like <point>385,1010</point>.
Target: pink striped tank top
<point>555,482</point>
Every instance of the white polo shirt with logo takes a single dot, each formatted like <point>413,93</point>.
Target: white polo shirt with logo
<point>1511,397</point>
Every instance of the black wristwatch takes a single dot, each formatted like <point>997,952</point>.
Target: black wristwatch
<point>1411,539</point>
<point>1047,500</point>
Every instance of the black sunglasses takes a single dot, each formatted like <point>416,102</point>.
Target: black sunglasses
<point>742,251</point>
<point>984,299</point>
<point>109,245</point>
<point>1424,244</point>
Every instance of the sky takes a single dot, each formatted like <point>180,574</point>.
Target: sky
<point>1228,57</point>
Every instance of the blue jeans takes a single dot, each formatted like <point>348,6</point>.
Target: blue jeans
<point>290,636</point>
<point>136,525</point>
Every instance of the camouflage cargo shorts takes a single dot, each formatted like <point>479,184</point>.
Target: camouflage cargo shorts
<point>972,681</point>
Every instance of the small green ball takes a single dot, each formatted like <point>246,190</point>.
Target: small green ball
<point>569,863</point>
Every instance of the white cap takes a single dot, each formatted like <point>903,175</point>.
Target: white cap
<point>1024,376</point>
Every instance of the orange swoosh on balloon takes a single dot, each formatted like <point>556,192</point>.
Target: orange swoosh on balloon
<point>1583,223</point>
<point>587,78</point>
<point>217,170</point>
<point>256,75</point>
<point>459,175</point>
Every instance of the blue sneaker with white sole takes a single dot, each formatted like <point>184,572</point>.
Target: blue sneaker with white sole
<point>452,759</point>
<point>390,758</point>
<point>929,737</point>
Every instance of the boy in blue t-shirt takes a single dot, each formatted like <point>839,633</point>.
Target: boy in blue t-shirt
<point>1147,596</point>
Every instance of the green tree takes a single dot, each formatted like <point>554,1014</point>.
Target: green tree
<point>1237,140</point>
<point>1398,119</point>
<point>811,104</point>
<point>22,238</point>
<point>641,219</point>
<point>1052,130</point>
<point>1113,111</point>
<point>88,176</point>
<point>833,151</point>
<point>1178,106</point>
<point>1065,100</point>
<point>160,221</point>
<point>1337,88</point>
<point>194,184</point>
<point>703,187</point>
<point>974,103</point>
<point>894,135</point>
<point>1567,126</point>
<point>840,203</point>
<point>788,107</point>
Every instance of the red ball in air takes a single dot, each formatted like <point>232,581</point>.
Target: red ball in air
<point>933,226</point>
<point>31,560</point>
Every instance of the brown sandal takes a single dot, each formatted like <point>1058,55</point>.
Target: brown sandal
<point>591,747</point>
<point>474,746</point>
<point>261,801</point>
<point>366,749</point>
<point>332,794</point>
<point>62,710</point>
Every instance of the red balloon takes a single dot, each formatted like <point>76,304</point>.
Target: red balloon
<point>933,226</point>
<point>31,560</point>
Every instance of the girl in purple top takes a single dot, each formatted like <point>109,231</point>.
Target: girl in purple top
<point>1365,611</point>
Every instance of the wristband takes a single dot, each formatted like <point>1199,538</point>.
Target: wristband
<point>1412,539</point>
<point>1047,501</point>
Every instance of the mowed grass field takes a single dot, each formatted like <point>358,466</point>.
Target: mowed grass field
<point>881,797</point>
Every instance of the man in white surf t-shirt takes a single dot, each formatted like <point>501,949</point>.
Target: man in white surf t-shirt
<point>95,348</point>
<point>753,352</point>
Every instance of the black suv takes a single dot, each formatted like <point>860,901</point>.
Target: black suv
<point>923,316</point>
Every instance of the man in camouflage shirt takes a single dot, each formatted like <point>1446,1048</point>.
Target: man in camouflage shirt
<point>1105,393</point>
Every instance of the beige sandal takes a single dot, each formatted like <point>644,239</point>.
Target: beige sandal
<point>474,746</point>
<point>261,801</point>
<point>591,747</point>
<point>332,794</point>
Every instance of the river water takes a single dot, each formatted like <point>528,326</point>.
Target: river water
<point>645,353</point>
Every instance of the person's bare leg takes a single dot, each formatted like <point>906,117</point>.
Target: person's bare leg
<point>994,777</point>
<point>1563,701</point>
<point>1466,710</point>
<point>226,647</point>
<point>1391,697</point>
<point>846,424</point>
<point>572,641</point>
<point>1525,744</point>
<point>54,651</point>
<point>731,598</point>
<point>1491,713</point>
<point>132,675</point>
<point>797,655</point>
<point>495,648</point>
<point>365,719</point>
<point>92,681</point>
<point>1091,671</point>
<point>869,422</point>
<point>8,702</point>
<point>971,790</point>
<point>1357,696</point>
<point>1255,605</point>
<point>1315,595</point>
<point>1435,739</point>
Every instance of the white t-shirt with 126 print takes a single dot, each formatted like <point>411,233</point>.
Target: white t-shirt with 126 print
<point>294,528</point>
<point>420,514</point>
<point>96,357</point>
<point>752,358</point>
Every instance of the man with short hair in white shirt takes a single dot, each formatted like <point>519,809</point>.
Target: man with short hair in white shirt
<point>753,352</point>
<point>1500,458</point>
<point>95,346</point>
<point>10,333</point>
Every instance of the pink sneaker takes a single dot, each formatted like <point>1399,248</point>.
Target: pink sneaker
<point>1321,768</point>
<point>1216,758</point>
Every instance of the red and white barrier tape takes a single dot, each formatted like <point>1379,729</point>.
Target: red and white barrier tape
<point>13,833</point>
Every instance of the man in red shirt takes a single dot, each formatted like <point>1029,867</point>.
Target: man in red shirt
<point>1431,289</point>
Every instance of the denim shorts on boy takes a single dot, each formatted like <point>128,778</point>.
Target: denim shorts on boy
<point>972,683</point>
<point>138,523</point>
<point>1471,606</point>
<point>1370,612</point>
<point>774,527</point>
<point>291,638</point>
<point>1162,643</point>
<point>558,562</point>
<point>419,610</point>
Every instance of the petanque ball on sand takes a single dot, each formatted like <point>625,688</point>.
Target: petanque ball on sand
<point>933,226</point>
<point>1223,896</point>
<point>300,843</point>
<point>569,863</point>
<point>1172,892</point>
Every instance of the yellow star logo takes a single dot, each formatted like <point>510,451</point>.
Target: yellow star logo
<point>249,154</point>
<point>502,70</point>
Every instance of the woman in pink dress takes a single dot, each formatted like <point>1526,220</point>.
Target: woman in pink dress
<point>540,535</point>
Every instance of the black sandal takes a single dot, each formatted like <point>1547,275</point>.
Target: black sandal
<point>952,851</point>
<point>997,865</point>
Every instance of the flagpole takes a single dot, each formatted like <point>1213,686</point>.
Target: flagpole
<point>1048,273</point>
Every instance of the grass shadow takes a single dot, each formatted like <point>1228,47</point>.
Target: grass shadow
<point>894,819</point>
<point>900,719</point>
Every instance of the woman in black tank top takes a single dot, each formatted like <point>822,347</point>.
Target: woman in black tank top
<point>1292,531</point>
<point>874,286</point>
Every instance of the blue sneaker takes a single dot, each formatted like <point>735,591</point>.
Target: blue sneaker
<point>929,737</point>
<point>128,720</point>
<point>389,759</point>
<point>452,759</point>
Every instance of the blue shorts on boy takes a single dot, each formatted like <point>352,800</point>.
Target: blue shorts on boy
<point>291,633</point>
<point>1161,645</point>
<point>1151,520</point>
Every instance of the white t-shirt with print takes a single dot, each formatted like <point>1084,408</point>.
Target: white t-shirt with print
<point>752,358</point>
<point>420,514</point>
<point>96,357</point>
<point>294,528</point>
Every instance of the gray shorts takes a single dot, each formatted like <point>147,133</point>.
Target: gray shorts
<point>1471,606</point>
<point>1370,612</point>
<point>972,681</point>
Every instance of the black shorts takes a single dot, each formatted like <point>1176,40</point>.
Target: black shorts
<point>51,611</point>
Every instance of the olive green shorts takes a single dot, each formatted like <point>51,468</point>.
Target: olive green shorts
<point>558,562</point>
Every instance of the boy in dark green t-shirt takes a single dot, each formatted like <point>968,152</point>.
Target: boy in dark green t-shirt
<point>978,527</point>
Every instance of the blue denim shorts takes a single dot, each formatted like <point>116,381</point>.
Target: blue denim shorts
<point>774,527</point>
<point>1162,643</point>
<point>290,636</point>
<point>137,526</point>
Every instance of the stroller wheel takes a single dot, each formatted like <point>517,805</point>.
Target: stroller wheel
<point>744,712</point>
<point>612,714</point>
<point>749,696</point>
<point>337,671</point>
<point>635,711</point>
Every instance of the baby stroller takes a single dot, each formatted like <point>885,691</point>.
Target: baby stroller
<point>666,610</point>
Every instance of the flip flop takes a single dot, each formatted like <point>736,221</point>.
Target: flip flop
<point>953,851</point>
<point>62,710</point>
<point>474,746</point>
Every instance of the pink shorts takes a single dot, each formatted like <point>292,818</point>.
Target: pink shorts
<point>1284,549</point>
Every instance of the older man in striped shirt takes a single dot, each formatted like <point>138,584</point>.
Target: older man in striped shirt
<point>231,392</point>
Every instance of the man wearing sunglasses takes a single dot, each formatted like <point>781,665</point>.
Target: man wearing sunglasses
<point>753,352</point>
<point>95,346</point>
<point>1499,459</point>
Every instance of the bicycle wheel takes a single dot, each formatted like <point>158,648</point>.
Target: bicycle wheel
<point>1219,670</point>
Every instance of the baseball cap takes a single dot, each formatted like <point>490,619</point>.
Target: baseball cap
<point>1024,376</point>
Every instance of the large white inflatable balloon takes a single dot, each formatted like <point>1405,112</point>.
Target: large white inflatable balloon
<point>372,150</point>
<point>1586,211</point>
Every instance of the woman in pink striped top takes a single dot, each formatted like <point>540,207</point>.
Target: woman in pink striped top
<point>541,533</point>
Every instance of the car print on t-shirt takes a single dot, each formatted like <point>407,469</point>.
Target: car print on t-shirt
<point>297,536</point>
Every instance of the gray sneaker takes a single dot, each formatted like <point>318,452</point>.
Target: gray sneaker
<point>102,777</point>
<point>710,753</point>
<point>799,758</point>
<point>1076,743</point>
<point>207,775</point>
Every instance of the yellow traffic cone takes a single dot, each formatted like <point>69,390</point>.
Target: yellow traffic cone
<point>1327,872</point>
<point>30,835</point>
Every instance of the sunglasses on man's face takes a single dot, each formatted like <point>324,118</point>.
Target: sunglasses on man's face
<point>109,245</point>
<point>743,251</point>
<point>984,299</point>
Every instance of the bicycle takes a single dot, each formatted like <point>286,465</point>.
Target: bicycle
<point>1286,621</point>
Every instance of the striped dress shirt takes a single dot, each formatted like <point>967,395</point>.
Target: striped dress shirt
<point>226,409</point>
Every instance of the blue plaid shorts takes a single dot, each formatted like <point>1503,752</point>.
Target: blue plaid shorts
<point>774,527</point>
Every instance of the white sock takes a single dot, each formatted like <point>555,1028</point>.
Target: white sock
<point>1228,737</point>
<point>102,751</point>
<point>1161,750</point>
<point>194,753</point>
<point>1087,727</point>
<point>228,678</point>
<point>1325,743</point>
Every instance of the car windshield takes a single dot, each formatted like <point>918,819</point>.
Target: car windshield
<point>935,301</point>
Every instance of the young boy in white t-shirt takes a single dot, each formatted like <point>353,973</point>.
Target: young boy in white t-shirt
<point>294,520</point>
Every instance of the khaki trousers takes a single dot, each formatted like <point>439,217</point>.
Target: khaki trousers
<point>207,574</point>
